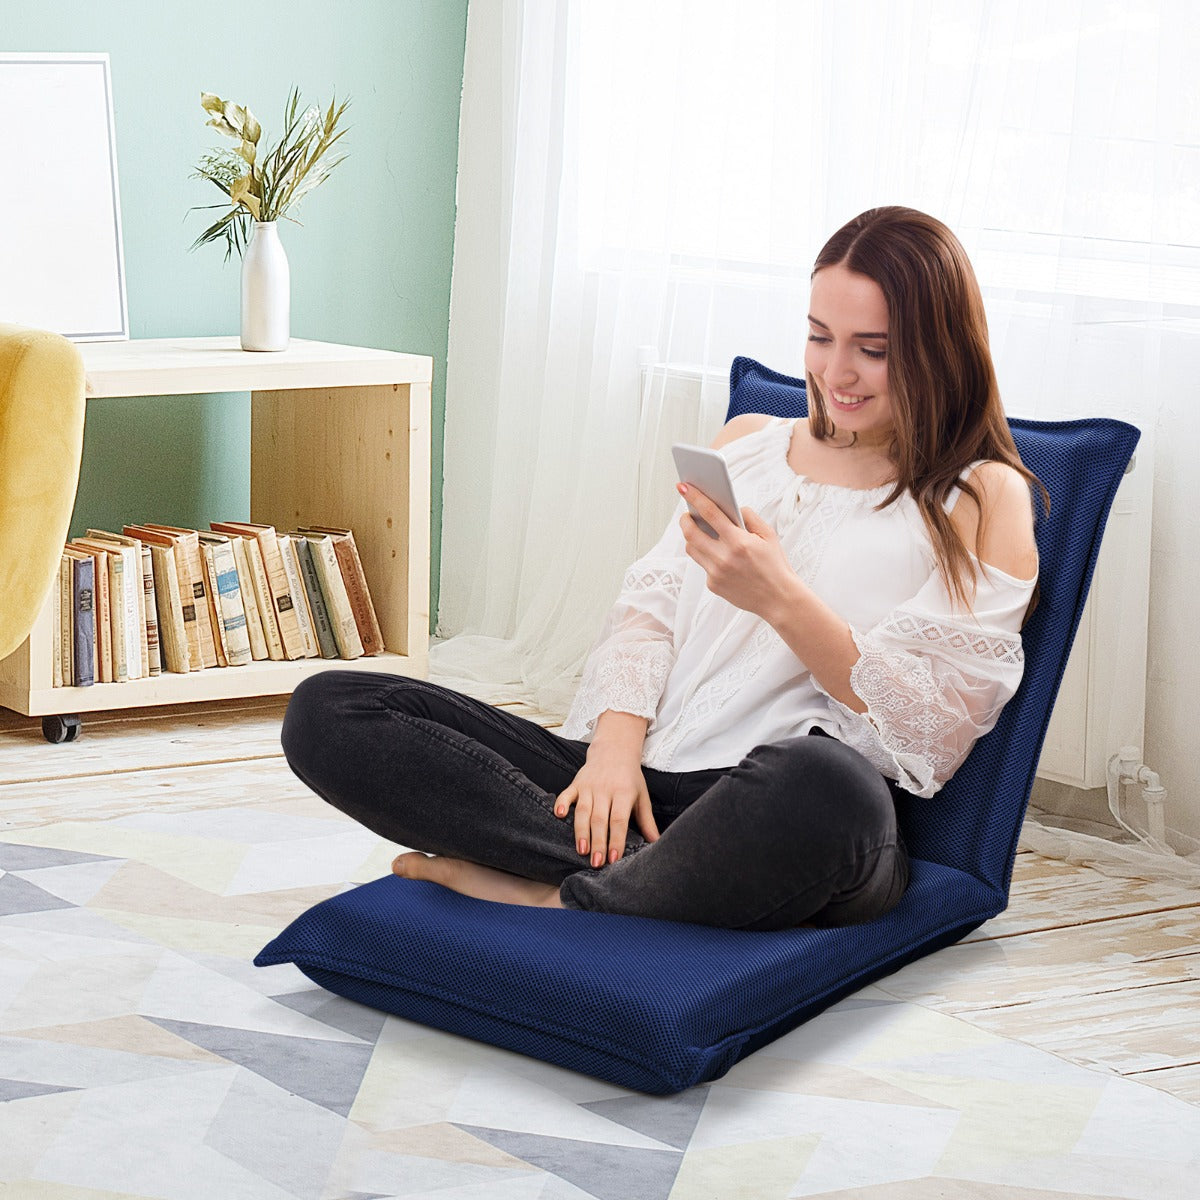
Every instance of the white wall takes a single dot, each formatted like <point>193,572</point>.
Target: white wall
<point>1172,680</point>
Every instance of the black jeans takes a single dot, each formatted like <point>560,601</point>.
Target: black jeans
<point>801,831</point>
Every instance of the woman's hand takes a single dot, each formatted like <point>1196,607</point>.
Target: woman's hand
<point>608,789</point>
<point>746,567</point>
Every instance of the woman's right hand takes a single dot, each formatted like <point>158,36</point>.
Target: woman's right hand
<point>609,789</point>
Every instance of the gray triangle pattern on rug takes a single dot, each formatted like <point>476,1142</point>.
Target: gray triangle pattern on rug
<point>21,1089</point>
<point>336,1012</point>
<point>668,1119</point>
<point>324,1073</point>
<point>605,1171</point>
<point>18,895</point>
<point>14,857</point>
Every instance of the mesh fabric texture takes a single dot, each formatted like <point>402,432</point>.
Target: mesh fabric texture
<point>651,1005</point>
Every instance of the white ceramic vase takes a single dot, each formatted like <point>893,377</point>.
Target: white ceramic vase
<point>266,290</point>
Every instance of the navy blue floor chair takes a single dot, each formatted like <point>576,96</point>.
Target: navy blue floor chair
<point>658,1006</point>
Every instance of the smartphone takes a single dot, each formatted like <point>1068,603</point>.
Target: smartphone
<point>705,469</point>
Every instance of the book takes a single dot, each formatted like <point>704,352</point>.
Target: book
<point>333,588</point>
<point>173,637</point>
<point>66,586</point>
<point>153,637</point>
<point>214,614</point>
<point>62,642</point>
<point>103,611</point>
<point>123,607</point>
<point>356,586</point>
<point>56,640</point>
<point>300,597</point>
<point>134,569</point>
<point>190,538</point>
<point>282,604</point>
<point>262,594</point>
<point>322,626</point>
<point>183,582</point>
<point>235,636</point>
<point>254,625</point>
<point>126,600</point>
<point>83,618</point>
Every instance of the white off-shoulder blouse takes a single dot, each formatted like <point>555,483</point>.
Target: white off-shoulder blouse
<point>715,681</point>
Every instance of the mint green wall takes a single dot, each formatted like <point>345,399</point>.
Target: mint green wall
<point>371,264</point>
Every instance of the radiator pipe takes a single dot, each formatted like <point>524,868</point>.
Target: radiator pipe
<point>1126,769</point>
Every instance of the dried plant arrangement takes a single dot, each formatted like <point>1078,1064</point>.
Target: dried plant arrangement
<point>266,184</point>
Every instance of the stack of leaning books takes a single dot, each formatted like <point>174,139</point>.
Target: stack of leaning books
<point>157,598</point>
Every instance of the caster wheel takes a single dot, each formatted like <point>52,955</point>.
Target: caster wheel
<point>61,729</point>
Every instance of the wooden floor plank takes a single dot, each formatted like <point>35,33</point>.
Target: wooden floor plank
<point>1130,1031</point>
<point>179,788</point>
<point>183,736</point>
<point>1115,988</point>
<point>1183,1082</point>
<point>1058,965</point>
<point>1048,894</point>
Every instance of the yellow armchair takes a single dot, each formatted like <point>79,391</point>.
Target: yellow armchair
<point>41,440</point>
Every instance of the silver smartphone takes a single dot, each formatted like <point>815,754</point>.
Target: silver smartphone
<point>705,469</point>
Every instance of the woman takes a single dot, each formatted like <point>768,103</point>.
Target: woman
<point>755,701</point>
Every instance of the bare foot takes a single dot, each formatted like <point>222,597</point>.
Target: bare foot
<point>484,883</point>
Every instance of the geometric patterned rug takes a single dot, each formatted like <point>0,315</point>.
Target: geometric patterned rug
<point>142,1055</point>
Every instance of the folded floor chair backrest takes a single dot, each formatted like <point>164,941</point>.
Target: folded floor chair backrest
<point>658,1006</point>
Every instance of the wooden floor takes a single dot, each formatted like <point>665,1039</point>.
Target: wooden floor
<point>1102,972</point>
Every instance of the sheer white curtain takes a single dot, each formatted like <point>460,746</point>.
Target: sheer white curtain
<point>648,184</point>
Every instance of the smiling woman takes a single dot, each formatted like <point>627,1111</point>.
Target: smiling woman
<point>848,366</point>
<point>918,387</point>
<point>757,700</point>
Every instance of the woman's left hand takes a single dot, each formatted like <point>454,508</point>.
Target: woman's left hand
<point>747,567</point>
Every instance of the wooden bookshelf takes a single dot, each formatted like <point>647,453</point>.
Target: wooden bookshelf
<point>339,436</point>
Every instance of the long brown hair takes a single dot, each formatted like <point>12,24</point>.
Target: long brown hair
<point>945,402</point>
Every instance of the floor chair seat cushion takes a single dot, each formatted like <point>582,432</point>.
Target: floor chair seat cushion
<point>651,1005</point>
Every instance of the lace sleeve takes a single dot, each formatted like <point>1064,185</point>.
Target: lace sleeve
<point>628,667</point>
<point>934,679</point>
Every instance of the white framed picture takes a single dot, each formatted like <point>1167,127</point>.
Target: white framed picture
<point>62,263</point>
